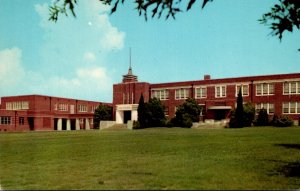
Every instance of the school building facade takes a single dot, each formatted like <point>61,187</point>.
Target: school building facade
<point>278,94</point>
<point>46,113</point>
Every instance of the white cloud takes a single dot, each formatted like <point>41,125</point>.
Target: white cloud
<point>89,57</point>
<point>72,56</point>
<point>11,70</point>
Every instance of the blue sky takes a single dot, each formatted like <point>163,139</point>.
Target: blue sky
<point>83,57</point>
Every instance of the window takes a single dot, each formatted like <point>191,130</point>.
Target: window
<point>5,120</point>
<point>200,92</point>
<point>245,90</point>
<point>264,89</point>
<point>21,120</point>
<point>82,108</point>
<point>291,107</point>
<point>93,109</point>
<point>17,105</point>
<point>160,94</point>
<point>63,107</point>
<point>220,91</point>
<point>182,93</point>
<point>285,107</point>
<point>267,106</point>
<point>291,88</point>
<point>166,111</point>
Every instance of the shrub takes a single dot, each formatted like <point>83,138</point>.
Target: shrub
<point>136,125</point>
<point>247,117</point>
<point>249,114</point>
<point>102,113</point>
<point>283,121</point>
<point>187,113</point>
<point>262,118</point>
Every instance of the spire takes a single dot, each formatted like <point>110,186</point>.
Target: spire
<point>130,69</point>
<point>129,77</point>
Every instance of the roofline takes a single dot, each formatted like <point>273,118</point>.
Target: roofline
<point>233,78</point>
<point>39,95</point>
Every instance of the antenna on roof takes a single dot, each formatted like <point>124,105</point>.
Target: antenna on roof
<point>130,57</point>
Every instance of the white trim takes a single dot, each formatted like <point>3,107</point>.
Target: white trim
<point>172,88</point>
<point>259,106</point>
<point>220,107</point>
<point>237,90</point>
<point>201,92</point>
<point>262,89</point>
<point>290,88</point>
<point>276,81</point>
<point>186,93</point>
<point>221,91</point>
<point>289,107</point>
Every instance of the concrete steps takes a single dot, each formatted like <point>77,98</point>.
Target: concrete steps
<point>117,127</point>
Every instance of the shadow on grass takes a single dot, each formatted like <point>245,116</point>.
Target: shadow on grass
<point>289,169</point>
<point>289,146</point>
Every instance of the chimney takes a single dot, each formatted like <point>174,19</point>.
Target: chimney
<point>206,77</point>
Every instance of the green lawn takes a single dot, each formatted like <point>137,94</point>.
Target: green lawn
<point>157,158</point>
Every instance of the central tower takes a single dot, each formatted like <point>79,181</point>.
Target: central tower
<point>126,96</point>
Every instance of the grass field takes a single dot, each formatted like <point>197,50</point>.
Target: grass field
<point>157,158</point>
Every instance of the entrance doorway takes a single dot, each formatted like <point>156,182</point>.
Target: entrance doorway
<point>127,116</point>
<point>31,123</point>
<point>220,114</point>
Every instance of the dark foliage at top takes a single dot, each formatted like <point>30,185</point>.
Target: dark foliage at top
<point>187,113</point>
<point>102,112</point>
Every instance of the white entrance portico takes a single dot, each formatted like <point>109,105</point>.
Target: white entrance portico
<point>126,112</point>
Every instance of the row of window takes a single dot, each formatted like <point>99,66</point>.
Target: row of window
<point>4,120</point>
<point>287,108</point>
<point>19,105</point>
<point>291,107</point>
<point>262,89</point>
<point>65,107</point>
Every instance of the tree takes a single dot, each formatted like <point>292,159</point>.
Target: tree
<point>155,113</point>
<point>237,116</point>
<point>142,118</point>
<point>249,114</point>
<point>262,118</point>
<point>158,7</point>
<point>283,16</point>
<point>187,113</point>
<point>151,114</point>
<point>102,113</point>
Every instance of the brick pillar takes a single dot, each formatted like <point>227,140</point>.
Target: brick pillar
<point>77,124</point>
<point>59,124</point>
<point>68,124</point>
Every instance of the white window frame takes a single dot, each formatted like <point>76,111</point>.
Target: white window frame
<point>266,106</point>
<point>182,93</point>
<point>289,87</point>
<point>297,107</point>
<point>237,89</point>
<point>82,108</point>
<point>160,94</point>
<point>5,120</point>
<point>261,88</point>
<point>222,92</point>
<point>201,91</point>
<point>17,105</point>
<point>63,107</point>
<point>167,111</point>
